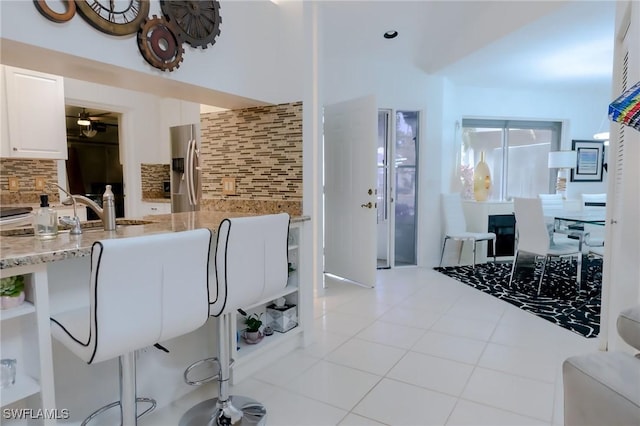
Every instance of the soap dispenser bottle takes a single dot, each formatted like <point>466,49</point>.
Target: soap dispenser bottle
<point>45,223</point>
<point>109,209</point>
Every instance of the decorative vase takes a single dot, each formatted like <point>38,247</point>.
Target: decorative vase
<point>8,302</point>
<point>252,337</point>
<point>481,180</point>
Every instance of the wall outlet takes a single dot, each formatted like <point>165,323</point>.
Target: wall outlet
<point>40,183</point>
<point>14,184</point>
<point>229,186</point>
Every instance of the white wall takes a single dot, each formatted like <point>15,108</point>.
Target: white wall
<point>258,54</point>
<point>401,89</point>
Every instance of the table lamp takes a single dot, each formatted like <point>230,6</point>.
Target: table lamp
<point>562,160</point>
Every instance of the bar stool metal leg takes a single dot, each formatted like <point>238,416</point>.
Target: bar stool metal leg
<point>128,400</point>
<point>226,409</point>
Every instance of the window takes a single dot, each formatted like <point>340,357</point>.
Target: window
<point>516,152</point>
<point>406,191</point>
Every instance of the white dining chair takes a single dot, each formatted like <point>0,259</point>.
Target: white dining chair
<point>533,238</point>
<point>590,201</point>
<point>595,234</point>
<point>456,227</point>
<point>551,201</point>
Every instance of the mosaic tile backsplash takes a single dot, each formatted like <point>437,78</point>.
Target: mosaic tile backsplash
<point>152,177</point>
<point>261,148</point>
<point>26,171</point>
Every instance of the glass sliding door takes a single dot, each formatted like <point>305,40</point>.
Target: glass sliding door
<point>405,197</point>
<point>516,152</point>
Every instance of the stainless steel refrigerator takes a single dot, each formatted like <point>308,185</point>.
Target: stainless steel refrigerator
<point>186,187</point>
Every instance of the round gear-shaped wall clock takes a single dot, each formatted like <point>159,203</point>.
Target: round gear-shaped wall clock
<point>53,15</point>
<point>197,22</point>
<point>159,44</point>
<point>118,18</point>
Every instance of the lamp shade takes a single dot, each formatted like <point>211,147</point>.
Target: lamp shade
<point>562,159</point>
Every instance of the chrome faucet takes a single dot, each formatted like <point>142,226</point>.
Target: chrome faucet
<point>75,221</point>
<point>81,199</point>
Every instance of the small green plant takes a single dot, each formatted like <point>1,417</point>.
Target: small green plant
<point>11,286</point>
<point>253,322</point>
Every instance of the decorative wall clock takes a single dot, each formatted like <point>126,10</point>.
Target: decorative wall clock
<point>54,16</point>
<point>197,22</point>
<point>114,17</point>
<point>159,45</point>
<point>160,39</point>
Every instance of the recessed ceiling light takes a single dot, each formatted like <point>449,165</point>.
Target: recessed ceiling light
<point>391,34</point>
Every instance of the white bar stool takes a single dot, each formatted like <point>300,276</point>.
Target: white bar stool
<point>143,290</point>
<point>251,265</point>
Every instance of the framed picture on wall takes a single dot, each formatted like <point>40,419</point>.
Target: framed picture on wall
<point>589,161</point>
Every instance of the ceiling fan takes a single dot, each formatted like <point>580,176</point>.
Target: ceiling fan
<point>90,124</point>
<point>85,118</point>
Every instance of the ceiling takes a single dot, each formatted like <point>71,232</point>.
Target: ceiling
<point>517,44</point>
<point>523,44</point>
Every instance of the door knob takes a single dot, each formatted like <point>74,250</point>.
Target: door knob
<point>367,206</point>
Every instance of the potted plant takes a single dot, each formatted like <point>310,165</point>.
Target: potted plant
<point>11,291</point>
<point>252,333</point>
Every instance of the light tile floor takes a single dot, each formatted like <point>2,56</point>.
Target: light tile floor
<point>418,349</point>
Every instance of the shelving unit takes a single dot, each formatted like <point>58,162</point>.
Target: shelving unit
<point>24,309</point>
<point>24,387</point>
<point>249,358</point>
<point>26,338</point>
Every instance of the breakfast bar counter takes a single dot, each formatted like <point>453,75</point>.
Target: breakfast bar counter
<point>57,276</point>
<point>18,247</point>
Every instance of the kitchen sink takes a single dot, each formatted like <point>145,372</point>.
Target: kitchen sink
<point>90,225</point>
<point>97,224</point>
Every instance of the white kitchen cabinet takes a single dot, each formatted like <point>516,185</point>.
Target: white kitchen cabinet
<point>33,117</point>
<point>150,208</point>
<point>26,337</point>
<point>250,358</point>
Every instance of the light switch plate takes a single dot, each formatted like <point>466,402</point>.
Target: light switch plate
<point>229,186</point>
<point>14,184</point>
<point>40,183</point>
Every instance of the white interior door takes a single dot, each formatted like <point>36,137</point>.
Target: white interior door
<point>350,143</point>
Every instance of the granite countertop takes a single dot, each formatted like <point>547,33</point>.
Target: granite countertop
<point>156,200</point>
<point>17,247</point>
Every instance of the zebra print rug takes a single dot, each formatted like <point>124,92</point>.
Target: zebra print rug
<point>559,302</point>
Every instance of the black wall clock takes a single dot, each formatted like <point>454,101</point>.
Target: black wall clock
<point>115,17</point>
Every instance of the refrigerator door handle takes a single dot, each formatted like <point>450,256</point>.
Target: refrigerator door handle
<point>188,172</point>
<point>195,172</point>
<point>196,151</point>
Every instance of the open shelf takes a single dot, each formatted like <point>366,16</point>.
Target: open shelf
<point>25,386</point>
<point>276,338</point>
<point>23,309</point>
<point>291,287</point>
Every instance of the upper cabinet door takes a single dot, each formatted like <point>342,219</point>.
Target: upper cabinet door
<point>34,112</point>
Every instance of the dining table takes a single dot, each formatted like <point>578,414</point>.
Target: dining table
<point>578,224</point>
